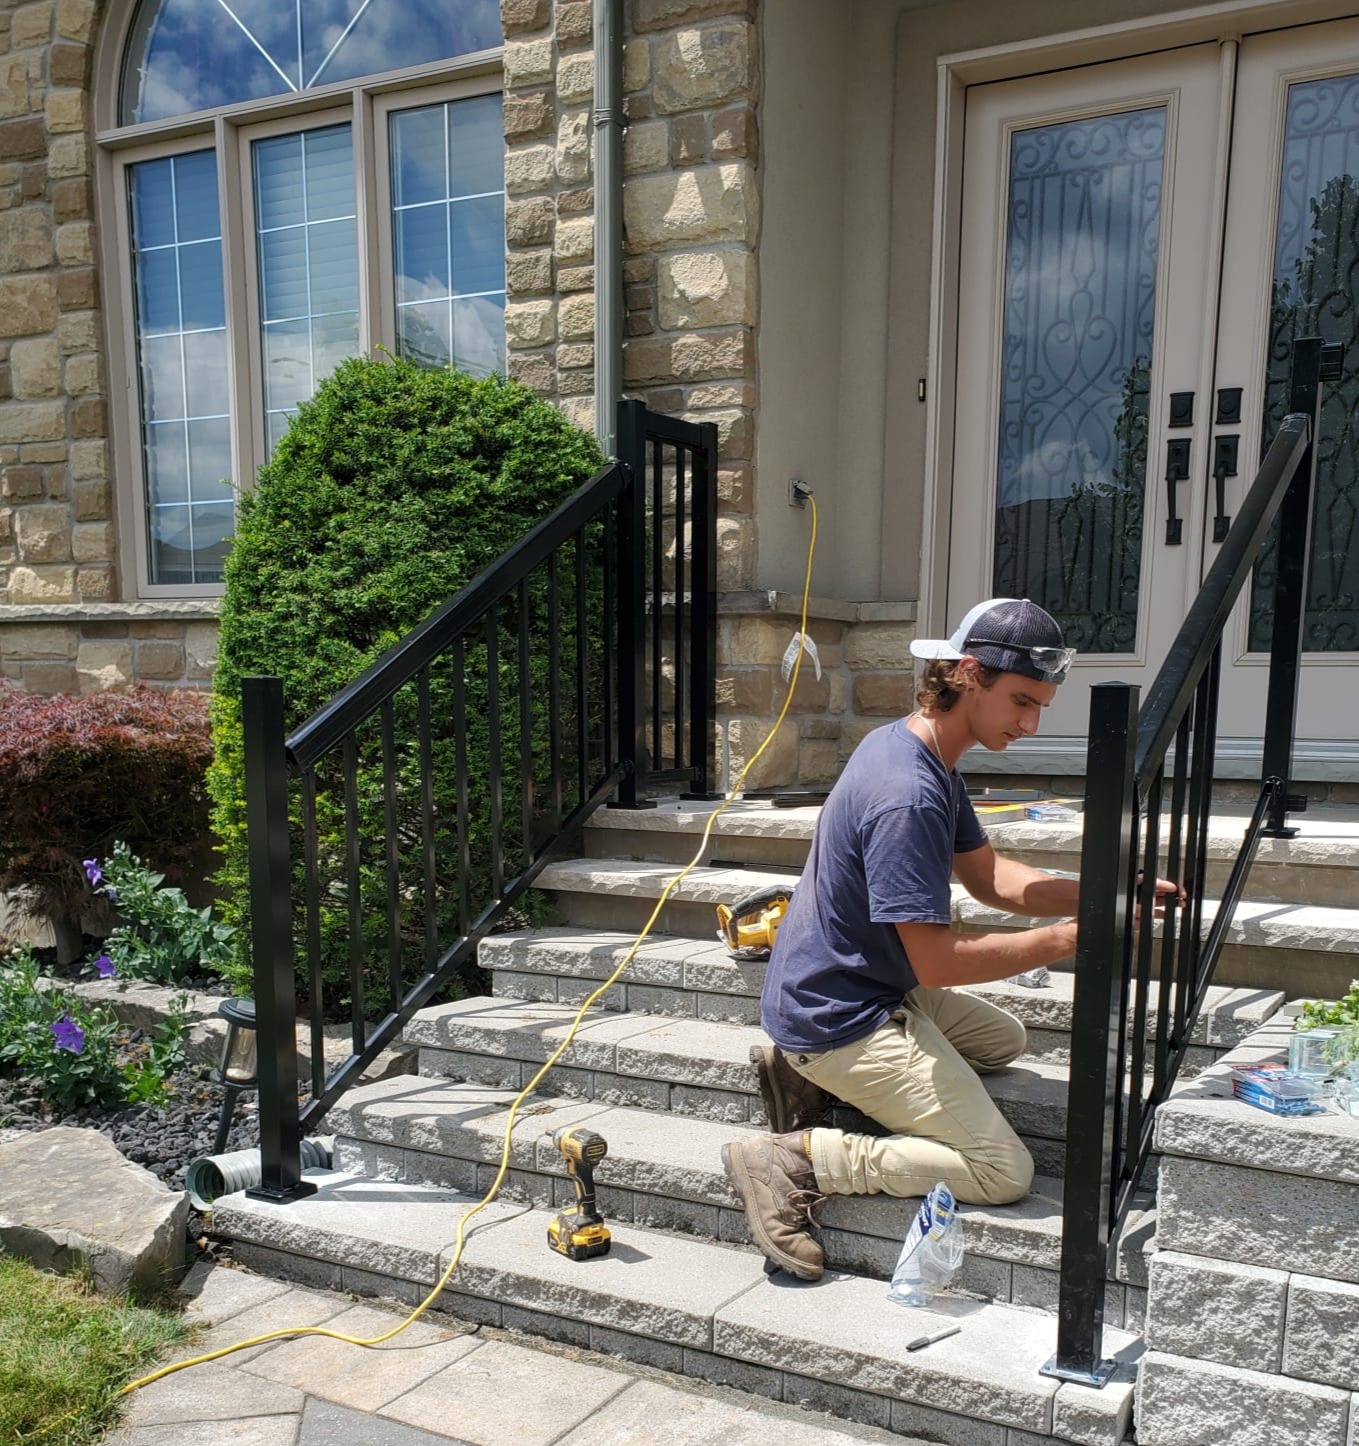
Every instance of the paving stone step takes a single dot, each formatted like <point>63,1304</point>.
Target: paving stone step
<point>696,1308</point>
<point>1319,866</point>
<point>695,978</point>
<point>1298,948</point>
<point>665,1171</point>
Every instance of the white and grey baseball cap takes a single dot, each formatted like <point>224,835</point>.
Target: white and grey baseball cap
<point>1008,633</point>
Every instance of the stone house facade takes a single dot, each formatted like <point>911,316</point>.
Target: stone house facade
<point>798,197</point>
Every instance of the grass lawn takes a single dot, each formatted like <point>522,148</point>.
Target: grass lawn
<point>65,1352</point>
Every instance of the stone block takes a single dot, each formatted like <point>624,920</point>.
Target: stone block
<point>1224,1211</point>
<point>89,459</point>
<point>71,201</point>
<point>661,14</point>
<point>636,64</point>
<point>1216,1310</point>
<point>527,272</point>
<point>575,278</point>
<point>66,110</point>
<point>84,374</point>
<point>42,585</point>
<point>530,323</point>
<point>575,240</point>
<point>574,23</point>
<point>754,639</point>
<point>534,369</point>
<point>95,582</point>
<point>25,239</point>
<point>576,202</point>
<point>101,666</point>
<point>49,677</point>
<point>707,288</point>
<point>68,156</point>
<point>579,411</point>
<point>38,641</point>
<point>573,148</point>
<point>517,16</point>
<point>16,97</point>
<point>529,168</point>
<point>1181,1401</point>
<point>528,114</point>
<point>32,421</point>
<point>78,331</point>
<point>89,417</point>
<point>818,761</point>
<point>688,140</point>
<point>527,62</point>
<point>695,357</point>
<point>28,306</point>
<point>75,19</point>
<point>43,534</point>
<point>702,204</point>
<point>21,484</point>
<point>75,243</point>
<point>159,661</point>
<point>576,316</point>
<point>883,693</point>
<point>32,24</point>
<point>879,646</point>
<point>703,67</point>
<point>777,765</point>
<point>735,134</point>
<point>200,648</point>
<point>1321,1337</point>
<point>735,553</point>
<point>575,78</point>
<point>646,147</point>
<point>68,1193</point>
<point>529,222</point>
<point>91,502</point>
<point>21,140</point>
<point>578,354</point>
<point>744,690</point>
<point>77,290</point>
<point>35,368</point>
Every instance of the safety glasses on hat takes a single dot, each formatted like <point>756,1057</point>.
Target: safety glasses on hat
<point>1055,661</point>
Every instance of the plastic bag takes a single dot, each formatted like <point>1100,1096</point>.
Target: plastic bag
<point>932,1251</point>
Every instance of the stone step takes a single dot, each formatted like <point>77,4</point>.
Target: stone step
<point>695,1308</point>
<point>1298,948</point>
<point>698,979</point>
<point>684,1066</point>
<point>1319,866</point>
<point>665,1171</point>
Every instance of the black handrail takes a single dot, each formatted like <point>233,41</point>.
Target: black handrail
<point>1119,1014</point>
<point>636,547</point>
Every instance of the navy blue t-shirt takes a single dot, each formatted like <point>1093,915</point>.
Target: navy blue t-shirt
<point>881,855</point>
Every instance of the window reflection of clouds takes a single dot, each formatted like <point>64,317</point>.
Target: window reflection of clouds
<point>189,55</point>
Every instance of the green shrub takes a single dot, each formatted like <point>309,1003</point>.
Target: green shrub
<point>393,488</point>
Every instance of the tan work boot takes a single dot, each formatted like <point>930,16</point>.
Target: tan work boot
<point>777,1185</point>
<point>791,1102</point>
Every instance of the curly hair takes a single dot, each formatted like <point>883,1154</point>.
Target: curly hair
<point>941,687</point>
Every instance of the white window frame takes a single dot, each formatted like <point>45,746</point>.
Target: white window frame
<point>365,104</point>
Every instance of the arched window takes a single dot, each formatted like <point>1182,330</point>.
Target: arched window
<point>285,183</point>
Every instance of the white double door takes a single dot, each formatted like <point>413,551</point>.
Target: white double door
<point>1142,240</point>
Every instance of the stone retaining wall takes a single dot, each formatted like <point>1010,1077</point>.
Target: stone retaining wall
<point>1253,1301</point>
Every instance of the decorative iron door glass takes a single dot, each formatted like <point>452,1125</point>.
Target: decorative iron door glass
<point>1316,293</point>
<point>192,55</point>
<point>1083,224</point>
<point>308,265</point>
<point>181,347</point>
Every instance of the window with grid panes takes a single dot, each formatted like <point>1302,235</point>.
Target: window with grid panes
<point>295,182</point>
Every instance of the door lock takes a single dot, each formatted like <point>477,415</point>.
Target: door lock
<point>1177,469</point>
<point>1224,466</point>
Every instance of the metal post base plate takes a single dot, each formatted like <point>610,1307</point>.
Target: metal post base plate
<point>634,806</point>
<point>300,1191</point>
<point>1288,831</point>
<point>1096,1379</point>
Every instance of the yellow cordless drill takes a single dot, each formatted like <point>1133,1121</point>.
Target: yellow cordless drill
<point>580,1233</point>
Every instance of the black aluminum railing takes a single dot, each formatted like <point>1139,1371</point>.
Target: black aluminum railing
<point>1149,792</point>
<point>392,830</point>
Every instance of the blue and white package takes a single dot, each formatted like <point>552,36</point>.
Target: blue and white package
<point>931,1252</point>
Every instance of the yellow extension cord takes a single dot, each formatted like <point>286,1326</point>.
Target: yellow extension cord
<point>552,1059</point>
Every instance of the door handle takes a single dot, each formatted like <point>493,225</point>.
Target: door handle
<point>1224,466</point>
<point>1177,469</point>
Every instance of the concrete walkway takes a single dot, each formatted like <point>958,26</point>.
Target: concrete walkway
<point>441,1381</point>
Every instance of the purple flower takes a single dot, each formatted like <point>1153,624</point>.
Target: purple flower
<point>93,872</point>
<point>68,1034</point>
<point>105,966</point>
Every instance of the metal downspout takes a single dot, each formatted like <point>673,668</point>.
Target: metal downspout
<point>608,136</point>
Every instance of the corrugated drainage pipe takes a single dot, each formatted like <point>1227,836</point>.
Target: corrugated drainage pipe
<point>211,1176</point>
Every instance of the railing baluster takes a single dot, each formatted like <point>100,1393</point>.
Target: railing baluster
<point>311,872</point>
<point>632,603</point>
<point>459,664</point>
<point>684,750</point>
<point>425,730</point>
<point>554,690</point>
<point>611,664</point>
<point>493,750</point>
<point>271,937</point>
<point>703,612</point>
<point>393,853</point>
<point>525,725</point>
<point>654,596</point>
<point>582,675</point>
<point>353,888</point>
<point>1137,1040</point>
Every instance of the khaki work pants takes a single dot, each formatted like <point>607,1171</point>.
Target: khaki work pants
<point>917,1076</point>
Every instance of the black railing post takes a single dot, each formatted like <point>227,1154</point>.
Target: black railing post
<point>631,594</point>
<point>703,615</point>
<point>1290,591</point>
<point>1093,1112</point>
<point>271,938</point>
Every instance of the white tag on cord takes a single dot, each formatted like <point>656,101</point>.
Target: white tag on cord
<point>790,656</point>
